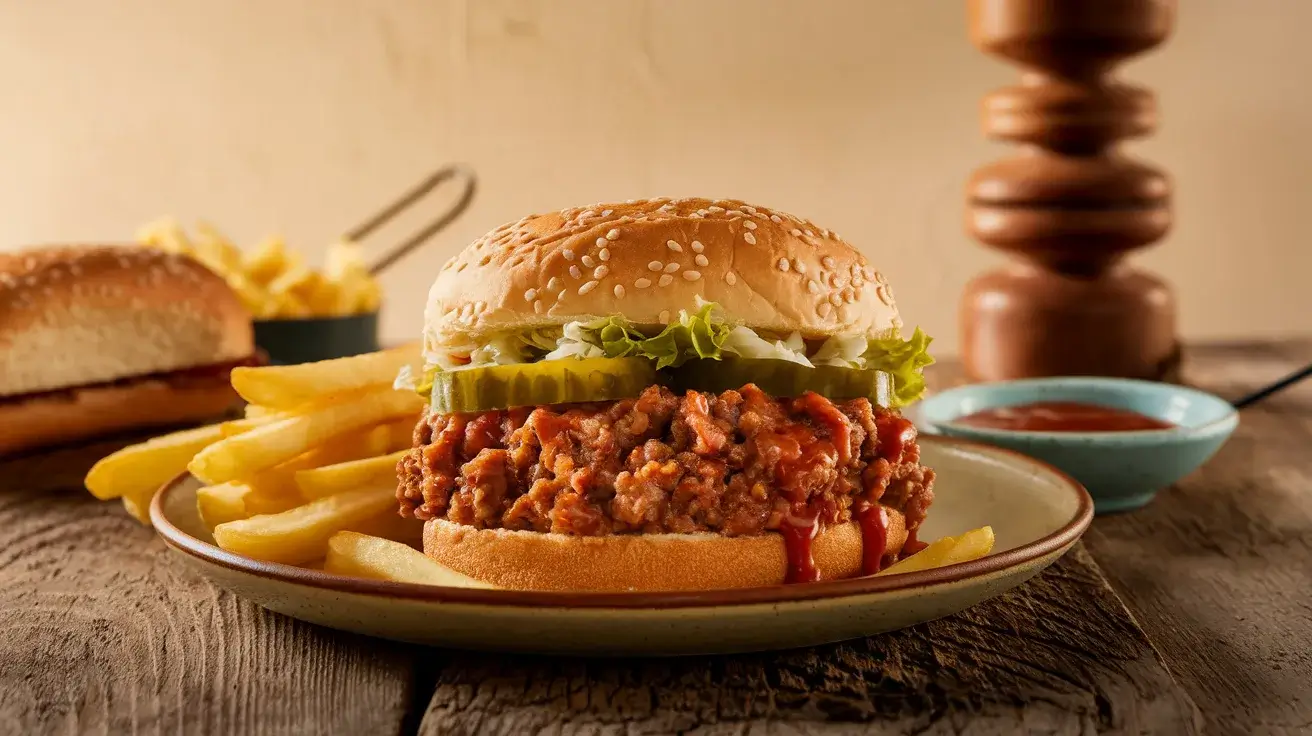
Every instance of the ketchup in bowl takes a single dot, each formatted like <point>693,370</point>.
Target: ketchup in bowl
<point>1063,416</point>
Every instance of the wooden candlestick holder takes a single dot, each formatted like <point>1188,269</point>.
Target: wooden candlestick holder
<point>1068,207</point>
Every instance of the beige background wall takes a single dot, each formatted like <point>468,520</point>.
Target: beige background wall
<point>302,115</point>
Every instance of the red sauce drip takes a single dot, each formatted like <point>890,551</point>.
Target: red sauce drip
<point>1063,416</point>
<point>895,433</point>
<point>873,519</point>
<point>798,532</point>
<point>913,544</point>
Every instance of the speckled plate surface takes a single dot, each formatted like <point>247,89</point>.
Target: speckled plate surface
<point>1036,512</point>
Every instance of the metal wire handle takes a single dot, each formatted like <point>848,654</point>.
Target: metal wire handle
<point>405,201</point>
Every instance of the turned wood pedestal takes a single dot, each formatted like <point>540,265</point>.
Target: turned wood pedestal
<point>1068,207</point>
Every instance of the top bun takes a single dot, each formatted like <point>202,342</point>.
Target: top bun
<point>80,315</point>
<point>647,259</point>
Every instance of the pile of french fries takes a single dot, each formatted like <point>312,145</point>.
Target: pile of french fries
<point>307,478</point>
<point>273,282</point>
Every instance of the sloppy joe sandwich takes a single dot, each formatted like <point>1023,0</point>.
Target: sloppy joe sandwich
<point>95,340</point>
<point>665,394</point>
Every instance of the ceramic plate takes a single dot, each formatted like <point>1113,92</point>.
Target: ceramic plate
<point>1036,512</point>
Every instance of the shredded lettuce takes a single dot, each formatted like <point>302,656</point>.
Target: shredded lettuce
<point>745,343</point>
<point>905,361</point>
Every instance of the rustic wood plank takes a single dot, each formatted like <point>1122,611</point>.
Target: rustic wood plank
<point>1058,655</point>
<point>102,631</point>
<point>1218,570</point>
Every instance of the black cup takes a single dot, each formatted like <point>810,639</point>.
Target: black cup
<point>290,341</point>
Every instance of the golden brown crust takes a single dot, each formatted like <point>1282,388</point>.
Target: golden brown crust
<point>639,562</point>
<point>79,414</point>
<point>647,259</point>
<point>82,315</point>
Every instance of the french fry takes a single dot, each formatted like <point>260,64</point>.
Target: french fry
<point>140,470</point>
<point>300,535</point>
<point>267,261</point>
<point>972,545</point>
<point>264,447</point>
<point>255,410</point>
<point>139,510</point>
<point>238,426</point>
<point>292,386</point>
<point>391,525</point>
<point>364,556</point>
<point>331,479</point>
<point>222,503</point>
<point>280,480</point>
<point>401,433</point>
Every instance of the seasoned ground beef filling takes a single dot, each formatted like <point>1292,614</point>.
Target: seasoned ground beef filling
<point>737,463</point>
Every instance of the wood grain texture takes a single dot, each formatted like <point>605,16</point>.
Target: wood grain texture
<point>102,631</point>
<point>1219,568</point>
<point>1058,655</point>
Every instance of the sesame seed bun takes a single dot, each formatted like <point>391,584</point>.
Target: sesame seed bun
<point>82,315</point>
<point>647,259</point>
<point>523,560</point>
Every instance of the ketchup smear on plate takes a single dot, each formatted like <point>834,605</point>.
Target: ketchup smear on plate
<point>1063,416</point>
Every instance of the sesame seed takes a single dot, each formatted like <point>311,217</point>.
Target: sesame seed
<point>575,272</point>
<point>695,215</point>
<point>731,278</point>
<point>783,264</point>
<point>834,281</point>
<point>587,287</point>
<point>749,225</point>
<point>601,242</point>
<point>828,261</point>
<point>554,284</point>
<point>692,275</point>
<point>642,283</point>
<point>613,235</point>
<point>810,234</point>
<point>671,267</point>
<point>530,295</point>
<point>569,254</point>
<point>619,291</point>
<point>776,219</point>
<point>697,246</point>
<point>601,272</point>
<point>856,270</point>
<point>749,238</point>
<point>664,317</point>
<point>749,208</point>
<point>798,266</point>
<point>666,280</point>
<point>589,261</point>
<point>655,266</point>
<point>715,208</point>
<point>824,309</point>
<point>674,246</point>
<point>606,213</point>
<point>560,295</point>
<point>848,295</point>
<point>812,287</point>
<point>835,298</point>
<point>702,260</point>
<point>824,233</point>
<point>703,212</point>
<point>537,307</point>
<point>630,201</point>
<point>604,254</point>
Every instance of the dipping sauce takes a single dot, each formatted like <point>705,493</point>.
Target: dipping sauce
<point>1063,416</point>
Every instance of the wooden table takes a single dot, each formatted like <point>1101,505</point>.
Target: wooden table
<point>1193,613</point>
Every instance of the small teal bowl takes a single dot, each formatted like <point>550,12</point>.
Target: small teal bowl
<point>1121,470</point>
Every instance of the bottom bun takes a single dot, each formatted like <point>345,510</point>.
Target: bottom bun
<point>79,414</point>
<point>522,560</point>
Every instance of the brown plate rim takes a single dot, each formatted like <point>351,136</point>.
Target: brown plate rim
<point>1058,540</point>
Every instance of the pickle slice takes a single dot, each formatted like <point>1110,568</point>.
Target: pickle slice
<point>566,381</point>
<point>785,378</point>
